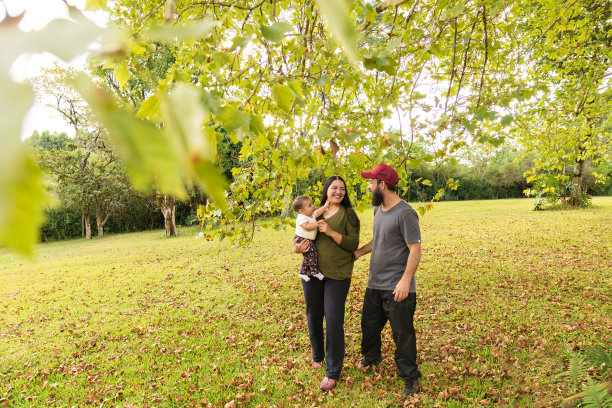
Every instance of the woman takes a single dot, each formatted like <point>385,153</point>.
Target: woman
<point>336,241</point>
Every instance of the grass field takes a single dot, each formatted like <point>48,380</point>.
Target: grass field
<point>138,320</point>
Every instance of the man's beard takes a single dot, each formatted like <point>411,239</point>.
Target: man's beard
<point>377,197</point>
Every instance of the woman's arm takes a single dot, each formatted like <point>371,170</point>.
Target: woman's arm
<point>348,242</point>
<point>326,229</point>
<point>300,247</point>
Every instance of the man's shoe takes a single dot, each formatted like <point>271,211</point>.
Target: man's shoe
<point>316,364</point>
<point>411,387</point>
<point>365,364</point>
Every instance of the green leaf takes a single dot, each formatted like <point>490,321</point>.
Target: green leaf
<point>62,37</point>
<point>21,204</point>
<point>455,11</point>
<point>212,183</point>
<point>18,177</point>
<point>276,31</point>
<point>426,182</point>
<point>122,73</point>
<point>496,141</point>
<point>394,43</point>
<point>233,120</point>
<point>322,80</point>
<point>149,109</point>
<point>212,101</point>
<point>337,13</point>
<point>239,42</point>
<point>370,13</point>
<point>256,124</point>
<point>323,132</point>
<point>283,97</point>
<point>506,120</point>
<point>184,118</point>
<point>468,125</point>
<point>171,34</point>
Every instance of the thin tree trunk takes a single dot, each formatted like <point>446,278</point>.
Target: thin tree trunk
<point>287,209</point>
<point>87,223</point>
<point>99,226</point>
<point>99,221</point>
<point>167,205</point>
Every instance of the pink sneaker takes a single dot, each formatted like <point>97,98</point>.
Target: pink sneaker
<point>316,364</point>
<point>327,384</point>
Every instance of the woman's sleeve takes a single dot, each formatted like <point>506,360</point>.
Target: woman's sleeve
<point>350,240</point>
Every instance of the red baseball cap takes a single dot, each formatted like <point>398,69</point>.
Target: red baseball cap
<point>382,172</point>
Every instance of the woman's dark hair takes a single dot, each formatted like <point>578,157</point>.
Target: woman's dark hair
<point>345,201</point>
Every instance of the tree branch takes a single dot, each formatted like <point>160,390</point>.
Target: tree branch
<point>486,56</point>
<point>382,6</point>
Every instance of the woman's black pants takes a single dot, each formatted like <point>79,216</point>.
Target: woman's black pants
<point>326,299</point>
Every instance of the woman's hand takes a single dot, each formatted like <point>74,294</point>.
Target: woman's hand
<point>300,247</point>
<point>326,229</point>
<point>323,227</point>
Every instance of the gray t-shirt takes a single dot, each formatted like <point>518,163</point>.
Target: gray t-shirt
<point>393,229</point>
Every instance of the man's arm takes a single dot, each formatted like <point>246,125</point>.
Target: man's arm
<point>366,249</point>
<point>403,286</point>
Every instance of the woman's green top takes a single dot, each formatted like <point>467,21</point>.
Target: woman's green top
<point>336,261</point>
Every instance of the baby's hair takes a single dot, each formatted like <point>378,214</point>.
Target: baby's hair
<point>299,202</point>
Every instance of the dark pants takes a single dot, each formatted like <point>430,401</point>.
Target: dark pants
<point>326,298</point>
<point>378,307</point>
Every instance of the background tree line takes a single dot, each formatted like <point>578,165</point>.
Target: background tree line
<point>497,173</point>
<point>80,189</point>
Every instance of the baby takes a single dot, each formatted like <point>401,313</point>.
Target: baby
<point>306,229</point>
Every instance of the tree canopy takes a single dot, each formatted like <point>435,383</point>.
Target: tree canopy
<point>315,85</point>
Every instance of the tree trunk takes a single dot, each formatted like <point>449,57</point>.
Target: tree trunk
<point>287,208</point>
<point>576,192</point>
<point>87,223</point>
<point>167,204</point>
<point>99,221</point>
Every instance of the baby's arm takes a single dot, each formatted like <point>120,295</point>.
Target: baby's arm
<point>309,226</point>
<point>320,210</point>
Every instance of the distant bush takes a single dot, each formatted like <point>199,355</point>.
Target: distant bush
<point>61,224</point>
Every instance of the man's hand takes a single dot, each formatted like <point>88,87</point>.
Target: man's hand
<point>401,290</point>
<point>301,247</point>
<point>366,249</point>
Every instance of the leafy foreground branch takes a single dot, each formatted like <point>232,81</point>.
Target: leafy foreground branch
<point>314,85</point>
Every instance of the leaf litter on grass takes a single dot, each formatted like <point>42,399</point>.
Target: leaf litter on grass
<point>136,320</point>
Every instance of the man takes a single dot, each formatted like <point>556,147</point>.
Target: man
<point>391,291</point>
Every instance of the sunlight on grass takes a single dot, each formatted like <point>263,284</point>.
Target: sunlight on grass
<point>138,319</point>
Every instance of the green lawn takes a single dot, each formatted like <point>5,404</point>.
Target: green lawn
<point>504,294</point>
